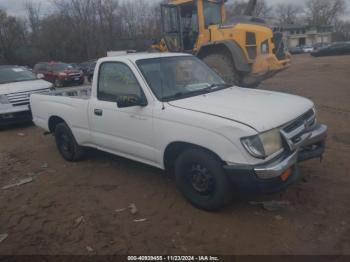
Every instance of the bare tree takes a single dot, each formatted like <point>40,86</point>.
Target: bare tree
<point>237,8</point>
<point>33,16</point>
<point>341,30</point>
<point>262,10</point>
<point>288,13</point>
<point>324,12</point>
<point>12,37</point>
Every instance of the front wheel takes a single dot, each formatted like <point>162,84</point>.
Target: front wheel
<point>202,181</point>
<point>66,143</point>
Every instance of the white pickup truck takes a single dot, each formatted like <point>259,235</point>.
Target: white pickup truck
<point>173,112</point>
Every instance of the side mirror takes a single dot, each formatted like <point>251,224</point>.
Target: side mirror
<point>40,76</point>
<point>130,101</point>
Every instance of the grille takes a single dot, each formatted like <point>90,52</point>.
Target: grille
<point>306,120</point>
<point>279,46</point>
<point>22,98</point>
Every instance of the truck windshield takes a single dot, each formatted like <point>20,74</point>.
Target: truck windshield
<point>15,74</point>
<point>212,13</point>
<point>172,78</point>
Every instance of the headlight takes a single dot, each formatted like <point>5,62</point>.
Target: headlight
<point>62,74</point>
<point>264,144</point>
<point>4,99</point>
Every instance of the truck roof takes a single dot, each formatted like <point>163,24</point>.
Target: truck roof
<point>139,56</point>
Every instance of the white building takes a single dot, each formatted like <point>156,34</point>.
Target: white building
<point>300,35</point>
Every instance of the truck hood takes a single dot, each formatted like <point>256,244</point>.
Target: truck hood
<point>261,110</point>
<point>24,86</point>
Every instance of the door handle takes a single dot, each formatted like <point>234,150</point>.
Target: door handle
<point>98,112</point>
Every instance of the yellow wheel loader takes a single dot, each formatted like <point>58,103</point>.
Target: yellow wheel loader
<point>243,51</point>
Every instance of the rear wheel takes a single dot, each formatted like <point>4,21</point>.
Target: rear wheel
<point>202,181</point>
<point>66,143</point>
<point>224,66</point>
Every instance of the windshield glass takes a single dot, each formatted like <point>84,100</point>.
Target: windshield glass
<point>61,67</point>
<point>172,78</point>
<point>212,13</point>
<point>15,74</point>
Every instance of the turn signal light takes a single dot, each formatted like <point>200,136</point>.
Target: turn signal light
<point>286,174</point>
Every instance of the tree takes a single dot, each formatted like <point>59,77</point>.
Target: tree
<point>237,8</point>
<point>324,12</point>
<point>341,30</point>
<point>12,36</point>
<point>288,14</point>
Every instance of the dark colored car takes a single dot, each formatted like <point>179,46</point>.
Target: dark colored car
<point>58,73</point>
<point>333,49</point>
<point>85,66</point>
<point>320,45</point>
<point>296,50</point>
<point>90,72</point>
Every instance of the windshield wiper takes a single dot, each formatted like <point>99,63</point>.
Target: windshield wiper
<point>210,88</point>
<point>218,86</point>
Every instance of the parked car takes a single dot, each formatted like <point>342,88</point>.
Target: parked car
<point>16,86</point>
<point>296,50</point>
<point>173,112</point>
<point>86,65</point>
<point>307,49</point>
<point>58,73</point>
<point>333,49</point>
<point>320,45</point>
<point>90,72</point>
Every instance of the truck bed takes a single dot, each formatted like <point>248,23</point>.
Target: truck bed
<point>70,105</point>
<point>81,92</point>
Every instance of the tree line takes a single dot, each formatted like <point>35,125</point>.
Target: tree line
<point>78,30</point>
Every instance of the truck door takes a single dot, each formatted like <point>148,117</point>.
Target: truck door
<point>124,131</point>
<point>172,29</point>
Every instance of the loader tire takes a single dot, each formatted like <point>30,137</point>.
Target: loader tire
<point>224,66</point>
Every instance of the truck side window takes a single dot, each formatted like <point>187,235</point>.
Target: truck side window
<point>116,79</point>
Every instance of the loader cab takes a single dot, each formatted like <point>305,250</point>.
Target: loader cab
<point>184,20</point>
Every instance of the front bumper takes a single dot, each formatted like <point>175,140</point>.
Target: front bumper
<point>15,117</point>
<point>269,177</point>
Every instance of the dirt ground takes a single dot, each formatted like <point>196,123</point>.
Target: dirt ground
<point>69,208</point>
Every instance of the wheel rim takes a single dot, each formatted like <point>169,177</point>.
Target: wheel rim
<point>65,144</point>
<point>201,179</point>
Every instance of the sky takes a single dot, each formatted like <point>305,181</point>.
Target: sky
<point>15,7</point>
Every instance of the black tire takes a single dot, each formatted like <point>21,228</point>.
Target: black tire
<point>57,83</point>
<point>66,143</point>
<point>202,181</point>
<point>224,66</point>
